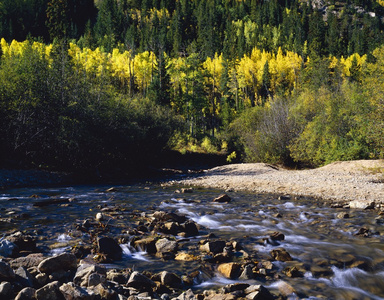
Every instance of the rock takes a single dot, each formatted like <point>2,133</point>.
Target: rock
<point>41,279</point>
<point>284,197</point>
<point>95,279</point>
<point>109,247</point>
<point>140,282</point>
<point>49,292</point>
<point>281,254</point>
<point>147,244</point>
<point>190,228</point>
<point>6,290</point>
<point>165,245</point>
<point>293,272</point>
<point>64,261</point>
<point>171,228</point>
<point>24,277</point>
<point>365,232</point>
<point>72,292</point>
<point>118,277</point>
<point>24,242</point>
<point>224,198</point>
<point>357,204</point>
<point>342,215</point>
<point>318,271</point>
<point>170,279</point>
<point>213,246</point>
<point>32,260</point>
<point>100,217</point>
<point>27,293</point>
<point>105,292</point>
<point>186,257</point>
<point>85,271</point>
<point>186,190</point>
<point>229,270</point>
<point>277,236</point>
<point>8,249</point>
<point>259,293</point>
<point>285,288</point>
<point>229,288</point>
<point>188,295</point>
<point>247,273</point>
<point>6,272</point>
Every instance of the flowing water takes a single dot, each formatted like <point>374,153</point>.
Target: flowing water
<point>335,262</point>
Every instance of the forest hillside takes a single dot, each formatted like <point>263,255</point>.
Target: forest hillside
<point>112,83</point>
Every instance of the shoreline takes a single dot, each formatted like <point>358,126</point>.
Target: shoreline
<point>359,184</point>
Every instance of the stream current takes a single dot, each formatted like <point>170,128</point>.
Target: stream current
<point>340,258</point>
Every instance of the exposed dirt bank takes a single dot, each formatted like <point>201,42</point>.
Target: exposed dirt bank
<point>358,182</point>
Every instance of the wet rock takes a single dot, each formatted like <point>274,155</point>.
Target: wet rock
<point>105,292</point>
<point>24,277</point>
<point>213,246</point>
<point>32,260</point>
<point>224,198</point>
<point>247,273</point>
<point>293,272</point>
<point>140,282</point>
<point>342,215</point>
<point>186,190</point>
<point>71,292</point>
<point>64,261</point>
<point>100,217</point>
<point>284,197</point>
<point>49,292</point>
<point>41,279</point>
<point>188,295</point>
<point>8,249</point>
<point>110,248</point>
<point>258,292</point>
<point>318,271</point>
<point>229,270</point>
<point>147,244</point>
<point>95,279</point>
<point>6,272</point>
<point>285,288</point>
<point>24,242</point>
<point>27,293</point>
<point>186,257</point>
<point>170,279</point>
<point>281,254</point>
<point>357,204</point>
<point>364,232</point>
<point>6,290</point>
<point>85,271</point>
<point>277,236</point>
<point>116,276</point>
<point>171,228</point>
<point>165,245</point>
<point>190,228</point>
<point>229,288</point>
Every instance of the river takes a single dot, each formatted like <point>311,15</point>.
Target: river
<point>338,256</point>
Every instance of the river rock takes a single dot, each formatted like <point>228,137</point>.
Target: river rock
<point>229,270</point>
<point>64,262</point>
<point>24,277</point>
<point>186,256</point>
<point>229,288</point>
<point>213,246</point>
<point>358,204</point>
<point>24,242</point>
<point>277,236</point>
<point>293,272</point>
<point>188,295</point>
<point>49,292</point>
<point>247,273</point>
<point>224,198</point>
<point>6,272</point>
<point>32,260</point>
<point>165,245</point>
<point>171,228</point>
<point>85,271</point>
<point>114,275</point>
<point>72,292</point>
<point>281,254</point>
<point>147,244</point>
<point>8,249</point>
<point>190,228</point>
<point>109,247</point>
<point>140,282</point>
<point>258,292</point>
<point>319,271</point>
<point>170,279</point>
<point>27,293</point>
<point>6,290</point>
<point>285,288</point>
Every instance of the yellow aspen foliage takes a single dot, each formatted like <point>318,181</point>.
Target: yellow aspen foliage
<point>122,65</point>
<point>145,65</point>
<point>348,63</point>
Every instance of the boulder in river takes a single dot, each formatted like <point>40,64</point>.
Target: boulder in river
<point>32,260</point>
<point>281,254</point>
<point>6,290</point>
<point>224,198</point>
<point>8,249</point>
<point>140,282</point>
<point>71,291</point>
<point>64,261</point>
<point>27,293</point>
<point>109,247</point>
<point>258,292</point>
<point>213,246</point>
<point>147,244</point>
<point>165,245</point>
<point>229,270</point>
<point>49,292</point>
<point>6,272</point>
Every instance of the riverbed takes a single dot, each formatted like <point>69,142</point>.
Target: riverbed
<point>337,253</point>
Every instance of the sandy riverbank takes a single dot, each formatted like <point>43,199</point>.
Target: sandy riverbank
<point>353,182</point>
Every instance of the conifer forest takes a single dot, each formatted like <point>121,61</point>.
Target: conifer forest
<point>95,84</point>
